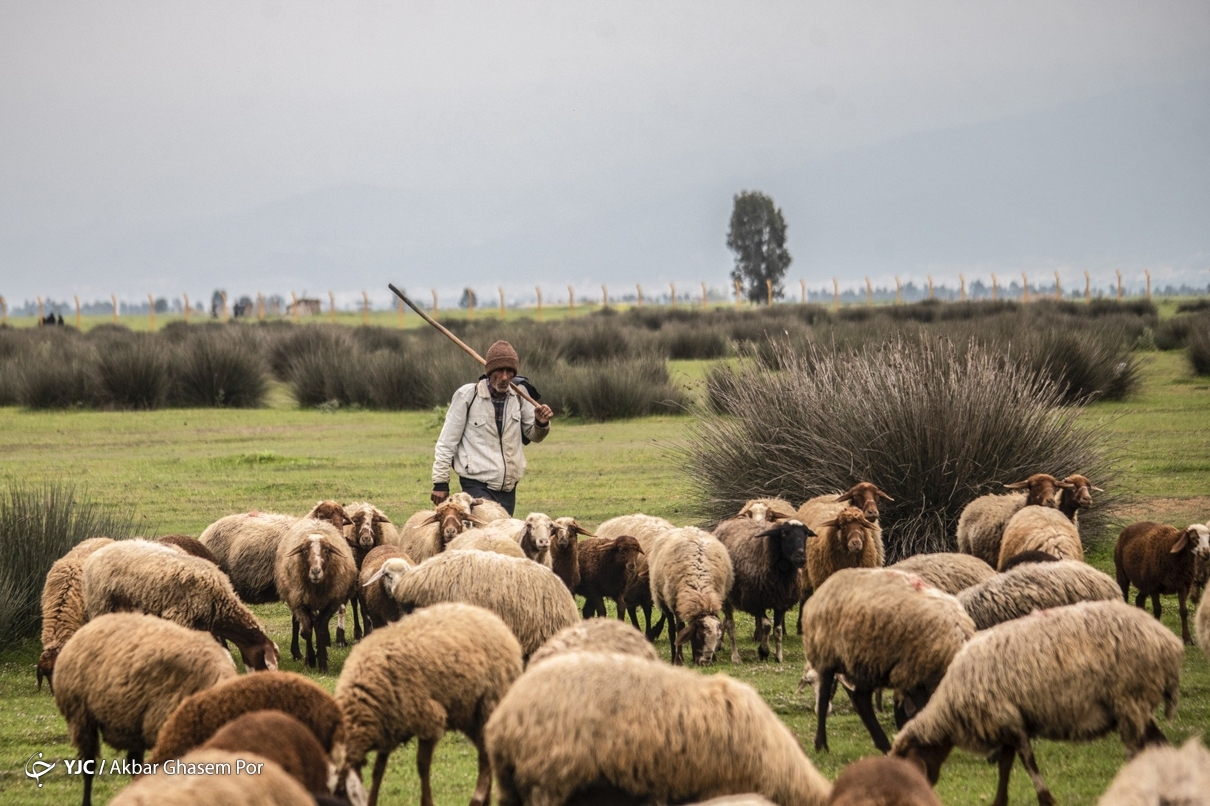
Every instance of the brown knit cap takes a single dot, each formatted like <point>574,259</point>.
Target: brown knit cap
<point>501,355</point>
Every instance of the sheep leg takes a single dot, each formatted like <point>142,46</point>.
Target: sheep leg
<point>779,631</point>
<point>303,620</point>
<point>1140,601</point>
<point>823,699</point>
<point>424,765</point>
<point>1185,636</point>
<point>294,653</point>
<point>380,768</point>
<point>729,630</point>
<point>1007,756</point>
<point>654,632</point>
<point>675,626</point>
<point>1155,605</point>
<point>620,604</point>
<point>89,743</point>
<point>340,626</point>
<point>322,636</point>
<point>863,701</point>
<point>1031,767</point>
<point>483,787</point>
<point>765,628</point>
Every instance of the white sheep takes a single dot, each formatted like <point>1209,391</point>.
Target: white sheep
<point>194,781</point>
<point>1163,776</point>
<point>1071,673</point>
<point>486,540</point>
<point>1035,586</point>
<point>691,576</point>
<point>63,604</point>
<point>948,571</point>
<point>981,524</point>
<point>1040,529</point>
<point>596,635</point>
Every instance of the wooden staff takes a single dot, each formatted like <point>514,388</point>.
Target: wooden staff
<point>455,339</point>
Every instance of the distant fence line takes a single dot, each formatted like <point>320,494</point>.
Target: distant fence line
<point>276,305</point>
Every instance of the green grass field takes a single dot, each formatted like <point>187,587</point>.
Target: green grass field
<point>178,470</point>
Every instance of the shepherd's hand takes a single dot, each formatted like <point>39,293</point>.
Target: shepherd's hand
<point>437,496</point>
<point>543,413</point>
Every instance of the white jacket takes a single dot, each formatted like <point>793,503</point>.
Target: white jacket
<point>471,443</point>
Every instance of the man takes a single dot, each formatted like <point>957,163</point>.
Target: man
<point>485,428</point>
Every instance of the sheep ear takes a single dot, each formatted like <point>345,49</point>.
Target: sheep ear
<point>1065,485</point>
<point>683,635</point>
<point>301,548</point>
<point>774,532</point>
<point>1096,489</point>
<point>1017,485</point>
<point>884,496</point>
<point>1181,542</point>
<point>845,496</point>
<point>829,524</point>
<point>377,576</point>
<point>580,530</point>
<point>431,519</point>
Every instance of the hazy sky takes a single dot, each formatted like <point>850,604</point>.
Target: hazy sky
<point>168,147</point>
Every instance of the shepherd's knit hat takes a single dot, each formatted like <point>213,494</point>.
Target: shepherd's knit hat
<point>501,355</point>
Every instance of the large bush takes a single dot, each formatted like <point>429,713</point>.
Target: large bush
<point>612,390</point>
<point>132,373</point>
<point>38,525</point>
<point>1198,343</point>
<point>219,367</point>
<point>932,425</point>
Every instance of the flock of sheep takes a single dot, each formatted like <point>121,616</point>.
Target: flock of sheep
<point>470,624</point>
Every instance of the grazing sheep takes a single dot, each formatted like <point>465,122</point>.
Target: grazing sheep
<point>445,667</point>
<point>530,599</point>
<point>882,781</point>
<point>768,510</point>
<point>596,635</point>
<point>646,529</point>
<point>691,576</point>
<point>122,674</point>
<point>377,605</point>
<point>163,581</point>
<point>282,739</point>
<point>1159,559</point>
<point>189,545</point>
<point>200,716</point>
<point>565,550</point>
<point>880,629</point>
<point>315,574</point>
<point>659,734</point>
<point>981,524</point>
<point>1068,674</point>
<point>766,562</point>
<point>1040,529</point>
<point>848,540</point>
<point>948,571</point>
<point>1163,776</point>
<point>63,604</point>
<point>260,782</point>
<point>1026,557</point>
<point>246,546</point>
<point>429,531</point>
<point>1037,586</point>
<point>607,566</point>
<point>368,527</point>
<point>486,540</point>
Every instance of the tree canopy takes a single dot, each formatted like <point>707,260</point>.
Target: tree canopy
<point>758,238</point>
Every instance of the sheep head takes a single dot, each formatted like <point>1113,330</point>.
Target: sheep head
<point>848,529</point>
<point>864,496</point>
<point>317,551</point>
<point>391,573</point>
<point>1043,490</point>
<point>756,510</point>
<point>928,757</point>
<point>1079,494</point>
<point>1196,538</point>
<point>331,512</point>
<point>367,521</point>
<point>453,517</point>
<point>261,655</point>
<point>538,530</point>
<point>704,630</point>
<point>566,531</point>
<point>46,666</point>
<point>791,536</point>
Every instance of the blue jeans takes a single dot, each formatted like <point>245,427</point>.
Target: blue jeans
<point>478,489</point>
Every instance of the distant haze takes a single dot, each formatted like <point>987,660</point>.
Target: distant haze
<point>166,148</point>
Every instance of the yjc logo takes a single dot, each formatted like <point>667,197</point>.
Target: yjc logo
<point>36,769</point>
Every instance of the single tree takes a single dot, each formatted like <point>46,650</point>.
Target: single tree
<point>758,238</point>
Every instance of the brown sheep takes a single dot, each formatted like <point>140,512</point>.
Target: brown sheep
<point>368,527</point>
<point>189,545</point>
<point>848,540</point>
<point>981,524</point>
<point>882,781</point>
<point>376,604</point>
<point>565,550</point>
<point>198,717</point>
<point>1076,497</point>
<point>63,604</point>
<point>315,574</point>
<point>1159,559</point>
<point>429,531</point>
<point>280,738</point>
<point>607,566</point>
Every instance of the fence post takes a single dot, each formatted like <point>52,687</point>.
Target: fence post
<point>1024,288</point>
<point>500,289</point>
<point>260,307</point>
<point>40,316</point>
<point>3,311</point>
<point>571,301</point>
<point>151,311</point>
<point>639,288</point>
<point>539,290</point>
<point>869,293</point>
<point>434,303</point>
<point>930,288</point>
<point>835,294</point>
<point>703,296</point>
<point>1118,272</point>
<point>769,292</point>
<point>331,307</point>
<point>995,290</point>
<point>672,287</point>
<point>1058,290</point>
<point>77,299</point>
<point>1087,287</point>
<point>224,307</point>
<point>186,296</point>
<point>898,292</point>
<point>294,307</point>
<point>802,287</point>
<point>1148,273</point>
<point>962,286</point>
<point>365,311</point>
<point>604,296</point>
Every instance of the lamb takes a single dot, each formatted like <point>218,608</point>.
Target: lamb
<point>377,605</point>
<point>768,510</point>
<point>528,597</point>
<point>315,574</point>
<point>981,524</point>
<point>1159,559</point>
<point>565,550</point>
<point>880,629</point>
<point>646,529</point>
<point>766,562</point>
<point>193,782</point>
<point>122,674</point>
<point>246,546</point>
<point>659,734</point>
<point>607,567</point>
<point>189,545</point>
<point>280,738</point>
<point>1072,673</point>
<point>1162,775</point>
<point>201,715</point>
<point>1038,586</point>
<point>63,604</point>
<point>486,540</point>
<point>445,667</point>
<point>596,635</point>
<point>1040,529</point>
<point>163,581</point>
<point>691,577</point>
<point>881,781</point>
<point>948,571</point>
<point>427,532</point>
<point>368,527</point>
